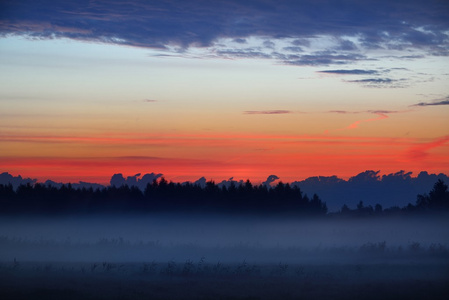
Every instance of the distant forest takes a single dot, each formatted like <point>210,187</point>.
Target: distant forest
<point>164,196</point>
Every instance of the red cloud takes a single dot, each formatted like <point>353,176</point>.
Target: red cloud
<point>356,123</point>
<point>420,151</point>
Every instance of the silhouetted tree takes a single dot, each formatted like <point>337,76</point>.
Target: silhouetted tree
<point>317,206</point>
<point>378,208</point>
<point>437,199</point>
<point>360,206</point>
<point>345,209</point>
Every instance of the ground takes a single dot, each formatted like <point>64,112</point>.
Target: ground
<point>200,280</point>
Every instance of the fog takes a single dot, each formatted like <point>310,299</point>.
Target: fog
<point>181,237</point>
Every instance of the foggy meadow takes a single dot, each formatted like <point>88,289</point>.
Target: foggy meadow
<point>141,256</point>
<point>221,238</point>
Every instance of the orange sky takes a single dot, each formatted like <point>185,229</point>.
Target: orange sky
<point>182,157</point>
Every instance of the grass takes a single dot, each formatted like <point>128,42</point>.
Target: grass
<point>202,280</point>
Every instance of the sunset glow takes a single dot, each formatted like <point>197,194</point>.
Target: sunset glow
<point>243,95</point>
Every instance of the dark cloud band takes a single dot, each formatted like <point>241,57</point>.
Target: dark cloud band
<point>200,23</point>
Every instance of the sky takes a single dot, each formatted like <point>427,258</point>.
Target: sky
<point>223,89</point>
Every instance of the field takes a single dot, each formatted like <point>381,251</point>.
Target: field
<point>196,280</point>
<point>179,257</point>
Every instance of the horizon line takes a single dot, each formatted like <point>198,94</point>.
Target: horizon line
<point>157,176</point>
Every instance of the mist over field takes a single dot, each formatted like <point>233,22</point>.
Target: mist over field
<point>238,256</point>
<point>218,238</point>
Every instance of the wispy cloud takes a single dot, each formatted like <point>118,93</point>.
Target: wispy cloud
<point>242,53</point>
<point>295,49</point>
<point>357,123</point>
<point>374,80</point>
<point>350,72</point>
<point>381,82</point>
<point>434,103</point>
<point>381,115</point>
<point>379,111</point>
<point>326,58</point>
<point>240,41</point>
<point>420,151</point>
<point>267,112</point>
<point>340,111</point>
<point>149,100</point>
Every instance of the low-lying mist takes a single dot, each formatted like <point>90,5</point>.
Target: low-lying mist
<point>218,238</point>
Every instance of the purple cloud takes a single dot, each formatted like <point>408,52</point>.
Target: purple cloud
<point>136,180</point>
<point>434,103</point>
<point>351,72</point>
<point>374,80</point>
<point>267,112</point>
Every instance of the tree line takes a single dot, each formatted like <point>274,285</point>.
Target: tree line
<point>161,195</point>
<point>437,200</point>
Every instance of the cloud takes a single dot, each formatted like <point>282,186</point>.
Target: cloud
<point>420,151</point>
<point>386,111</point>
<point>341,112</point>
<point>381,114</point>
<point>434,103</point>
<point>376,188</point>
<point>117,180</point>
<point>270,179</point>
<point>380,24</point>
<point>351,72</point>
<point>325,58</point>
<point>242,53</point>
<point>79,185</point>
<point>228,183</point>
<point>240,41</point>
<point>377,81</point>
<point>267,112</point>
<point>409,57</point>
<point>378,111</point>
<point>301,42</point>
<point>380,82</point>
<point>357,123</point>
<point>295,49</point>
<point>149,100</point>
<point>201,182</point>
<point>374,80</point>
<point>346,45</point>
<point>269,44</point>
<point>369,176</point>
<point>15,181</point>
